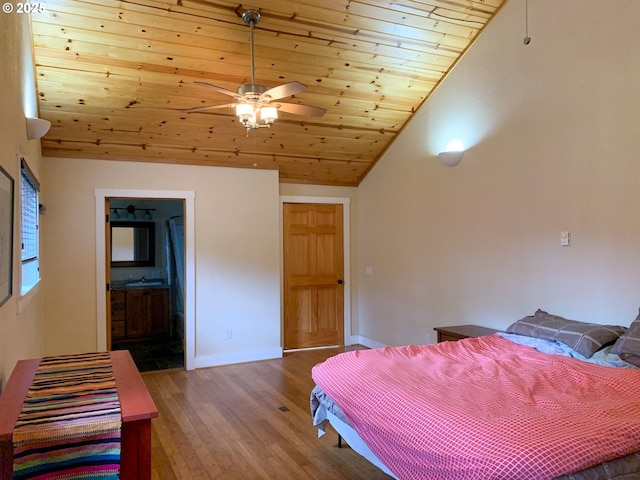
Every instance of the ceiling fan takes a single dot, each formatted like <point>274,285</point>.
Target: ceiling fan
<point>253,101</point>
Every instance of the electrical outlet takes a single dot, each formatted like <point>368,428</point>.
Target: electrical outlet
<point>427,338</point>
<point>228,334</point>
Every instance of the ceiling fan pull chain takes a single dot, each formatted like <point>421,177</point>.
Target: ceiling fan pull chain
<point>527,38</point>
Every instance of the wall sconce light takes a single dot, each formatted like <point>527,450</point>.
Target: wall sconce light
<point>453,155</point>
<point>451,159</point>
<point>131,213</point>
<point>37,128</point>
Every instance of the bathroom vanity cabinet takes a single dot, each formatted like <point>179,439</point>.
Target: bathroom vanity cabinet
<point>139,312</point>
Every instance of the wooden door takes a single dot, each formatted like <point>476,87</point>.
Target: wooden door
<point>107,256</point>
<point>313,275</point>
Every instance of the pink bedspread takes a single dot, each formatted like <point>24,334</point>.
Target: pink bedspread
<point>484,409</point>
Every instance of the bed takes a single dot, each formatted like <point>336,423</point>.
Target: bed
<point>551,398</point>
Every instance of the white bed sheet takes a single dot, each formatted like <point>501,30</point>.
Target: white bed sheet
<point>352,438</point>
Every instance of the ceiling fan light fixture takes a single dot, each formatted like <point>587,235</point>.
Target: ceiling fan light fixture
<point>246,115</point>
<point>268,115</point>
<point>249,114</point>
<point>244,112</point>
<point>252,108</point>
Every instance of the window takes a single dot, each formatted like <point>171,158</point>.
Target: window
<point>29,188</point>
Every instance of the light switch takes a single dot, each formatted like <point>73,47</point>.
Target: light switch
<point>368,270</point>
<point>565,238</point>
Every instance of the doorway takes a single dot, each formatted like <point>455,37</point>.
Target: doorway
<point>145,311</point>
<point>316,311</point>
<point>103,198</point>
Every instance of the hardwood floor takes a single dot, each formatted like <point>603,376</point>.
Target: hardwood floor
<point>245,422</point>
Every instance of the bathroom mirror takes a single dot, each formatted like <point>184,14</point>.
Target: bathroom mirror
<point>133,244</point>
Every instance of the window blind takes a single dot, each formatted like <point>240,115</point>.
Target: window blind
<point>29,191</point>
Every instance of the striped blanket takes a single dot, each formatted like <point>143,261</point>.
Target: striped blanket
<point>70,423</point>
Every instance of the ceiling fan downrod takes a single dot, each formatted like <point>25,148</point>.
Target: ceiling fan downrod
<point>251,18</point>
<point>254,105</point>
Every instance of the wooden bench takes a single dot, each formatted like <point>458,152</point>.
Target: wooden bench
<point>136,405</point>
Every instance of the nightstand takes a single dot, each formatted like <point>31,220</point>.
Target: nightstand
<point>458,332</point>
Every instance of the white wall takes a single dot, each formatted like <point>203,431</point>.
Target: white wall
<point>551,130</point>
<point>237,283</point>
<point>21,319</point>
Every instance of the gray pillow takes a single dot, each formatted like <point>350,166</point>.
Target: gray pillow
<point>629,342</point>
<point>631,358</point>
<point>584,338</point>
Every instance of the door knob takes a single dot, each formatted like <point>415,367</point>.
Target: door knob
<point>340,282</point>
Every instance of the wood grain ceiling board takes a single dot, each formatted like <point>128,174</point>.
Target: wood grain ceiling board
<point>114,77</point>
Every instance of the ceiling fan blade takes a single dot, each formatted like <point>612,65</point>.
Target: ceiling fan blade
<point>218,89</point>
<point>285,90</point>
<point>210,107</point>
<point>298,109</point>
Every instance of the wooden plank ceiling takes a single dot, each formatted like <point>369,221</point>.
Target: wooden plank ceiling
<point>114,77</point>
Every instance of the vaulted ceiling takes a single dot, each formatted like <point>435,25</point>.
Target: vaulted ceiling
<point>115,78</point>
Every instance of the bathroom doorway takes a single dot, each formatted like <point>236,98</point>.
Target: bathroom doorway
<point>145,272</point>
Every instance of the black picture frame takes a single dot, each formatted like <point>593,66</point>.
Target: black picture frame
<point>6,235</point>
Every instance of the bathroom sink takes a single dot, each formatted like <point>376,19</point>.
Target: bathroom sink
<point>141,283</point>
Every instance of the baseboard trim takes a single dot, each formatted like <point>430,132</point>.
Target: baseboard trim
<point>291,350</point>
<point>239,357</point>
<point>268,354</point>
<point>366,342</point>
